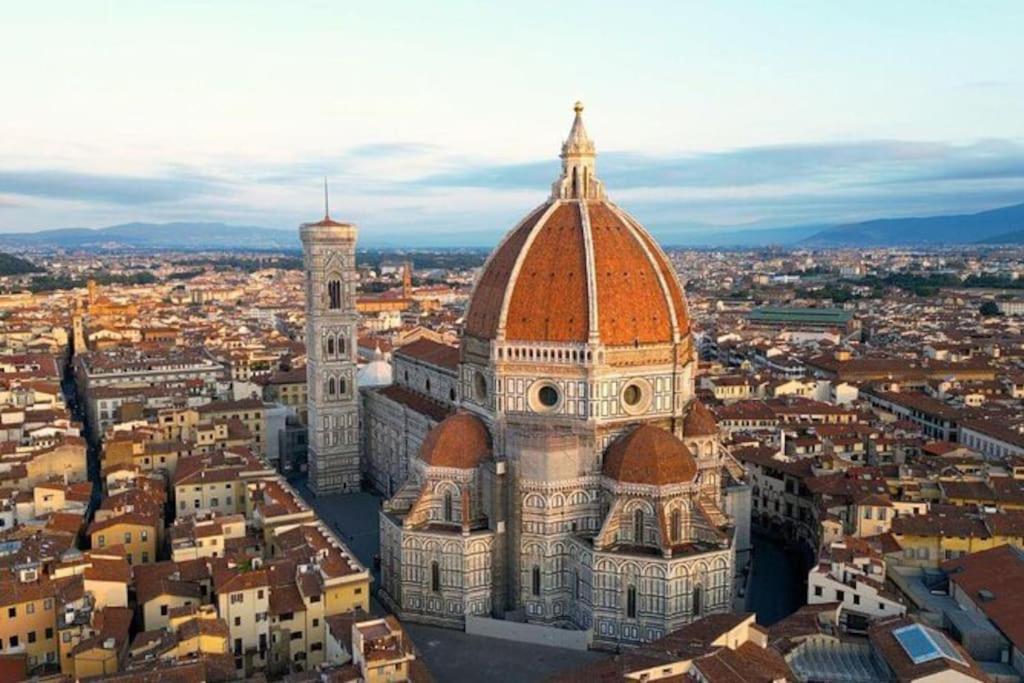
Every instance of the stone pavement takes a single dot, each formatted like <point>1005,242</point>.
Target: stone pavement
<point>456,657</point>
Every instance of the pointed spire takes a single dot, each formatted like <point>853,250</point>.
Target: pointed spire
<point>327,206</point>
<point>579,177</point>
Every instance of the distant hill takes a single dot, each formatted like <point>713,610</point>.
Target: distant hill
<point>13,265</point>
<point>158,236</point>
<point>955,229</point>
<point>723,237</point>
<point>1012,237</point>
<point>996,226</point>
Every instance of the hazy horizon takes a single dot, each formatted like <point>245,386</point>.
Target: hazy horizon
<point>728,115</point>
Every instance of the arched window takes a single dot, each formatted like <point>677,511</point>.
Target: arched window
<point>536,580</point>
<point>341,344</point>
<point>448,507</point>
<point>342,386</point>
<point>435,577</point>
<point>677,526</point>
<point>696,600</point>
<point>331,387</point>
<point>631,602</point>
<point>330,346</point>
<point>638,526</point>
<point>575,182</point>
<point>334,294</point>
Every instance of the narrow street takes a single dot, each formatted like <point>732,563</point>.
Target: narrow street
<point>777,587</point>
<point>92,451</point>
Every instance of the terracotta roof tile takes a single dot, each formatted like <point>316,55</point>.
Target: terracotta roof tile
<point>630,304</point>
<point>550,300</point>
<point>699,421</point>
<point>649,455</point>
<point>461,441</point>
<point>489,295</point>
<point>429,351</point>
<point>549,296</point>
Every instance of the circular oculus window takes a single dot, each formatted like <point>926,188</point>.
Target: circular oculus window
<point>636,396</point>
<point>545,397</point>
<point>548,396</point>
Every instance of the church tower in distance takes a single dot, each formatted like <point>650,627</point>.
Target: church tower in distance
<point>329,250</point>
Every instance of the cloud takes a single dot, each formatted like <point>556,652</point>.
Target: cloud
<point>389,150</point>
<point>397,189</point>
<point>991,84</point>
<point>878,161</point>
<point>112,189</point>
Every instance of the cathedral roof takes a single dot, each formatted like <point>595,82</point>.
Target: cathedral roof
<point>327,222</point>
<point>649,455</point>
<point>578,269</point>
<point>460,441</point>
<point>699,421</point>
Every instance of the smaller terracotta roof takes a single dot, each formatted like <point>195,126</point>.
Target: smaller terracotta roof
<point>432,352</point>
<point>699,421</point>
<point>649,455</point>
<point>460,441</point>
<point>327,222</point>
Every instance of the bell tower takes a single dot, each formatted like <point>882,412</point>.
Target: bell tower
<point>329,253</point>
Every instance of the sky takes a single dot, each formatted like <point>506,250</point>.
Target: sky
<point>446,118</point>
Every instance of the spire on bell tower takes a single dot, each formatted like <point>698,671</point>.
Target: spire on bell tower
<point>327,205</point>
<point>579,177</point>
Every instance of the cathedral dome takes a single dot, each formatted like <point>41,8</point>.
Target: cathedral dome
<point>649,455</point>
<point>578,269</point>
<point>460,441</point>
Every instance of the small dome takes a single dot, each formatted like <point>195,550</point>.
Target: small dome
<point>376,373</point>
<point>649,455</point>
<point>460,441</point>
<point>699,421</point>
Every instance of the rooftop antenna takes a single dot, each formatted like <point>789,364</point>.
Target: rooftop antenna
<point>327,206</point>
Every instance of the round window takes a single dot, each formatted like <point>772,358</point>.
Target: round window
<point>632,395</point>
<point>480,386</point>
<point>548,396</point>
<point>636,396</point>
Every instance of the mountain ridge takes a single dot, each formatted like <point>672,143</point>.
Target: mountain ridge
<point>1003,225</point>
<point>934,230</point>
<point>175,235</point>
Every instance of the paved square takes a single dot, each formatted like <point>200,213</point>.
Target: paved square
<point>456,657</point>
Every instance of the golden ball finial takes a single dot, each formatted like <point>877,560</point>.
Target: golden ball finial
<point>578,107</point>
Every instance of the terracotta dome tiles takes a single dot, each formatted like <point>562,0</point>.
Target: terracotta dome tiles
<point>460,441</point>
<point>667,272</point>
<point>699,421</point>
<point>546,265</point>
<point>489,296</point>
<point>631,306</point>
<point>649,455</point>
<point>550,301</point>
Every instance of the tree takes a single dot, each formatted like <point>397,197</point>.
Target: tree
<point>989,308</point>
